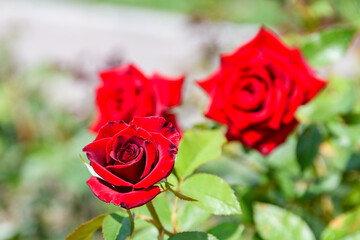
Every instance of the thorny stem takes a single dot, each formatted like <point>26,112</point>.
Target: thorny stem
<point>156,220</point>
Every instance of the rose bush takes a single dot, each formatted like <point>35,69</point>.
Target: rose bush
<point>125,93</point>
<point>130,159</point>
<point>257,90</point>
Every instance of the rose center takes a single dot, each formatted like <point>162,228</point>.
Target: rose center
<point>128,152</point>
<point>248,94</point>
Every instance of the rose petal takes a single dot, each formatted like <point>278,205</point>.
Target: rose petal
<point>151,157</point>
<point>113,146</point>
<point>209,84</point>
<point>167,90</point>
<point>110,129</point>
<point>109,176</point>
<point>95,151</point>
<point>130,172</point>
<point>265,39</point>
<point>158,125</point>
<point>167,152</point>
<point>170,117</point>
<point>275,138</point>
<point>126,199</point>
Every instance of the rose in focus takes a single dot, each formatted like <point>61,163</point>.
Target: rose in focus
<point>131,159</point>
<point>125,93</point>
<point>257,90</point>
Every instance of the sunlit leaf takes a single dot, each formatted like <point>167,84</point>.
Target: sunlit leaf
<point>343,226</point>
<point>87,229</point>
<point>116,227</point>
<point>196,148</point>
<point>275,223</point>
<point>326,47</point>
<point>213,194</point>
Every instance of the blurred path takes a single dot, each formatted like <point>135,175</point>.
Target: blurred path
<point>68,32</point>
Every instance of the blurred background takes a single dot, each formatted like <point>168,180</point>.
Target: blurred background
<point>51,51</point>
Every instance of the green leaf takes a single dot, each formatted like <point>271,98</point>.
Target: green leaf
<point>351,118</point>
<point>342,226</point>
<point>192,236</point>
<point>275,223</point>
<point>307,146</point>
<point>116,227</point>
<point>213,194</point>
<point>196,148</point>
<point>328,46</point>
<point>326,184</point>
<point>87,229</point>
<point>182,196</point>
<point>227,230</point>
<point>190,216</point>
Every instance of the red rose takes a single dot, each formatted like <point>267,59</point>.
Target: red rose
<point>130,159</point>
<point>257,90</point>
<point>126,93</point>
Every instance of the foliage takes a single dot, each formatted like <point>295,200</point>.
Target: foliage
<point>308,188</point>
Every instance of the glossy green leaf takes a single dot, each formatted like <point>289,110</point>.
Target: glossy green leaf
<point>196,148</point>
<point>192,236</point>
<point>213,194</point>
<point>116,227</point>
<point>343,226</point>
<point>87,229</point>
<point>190,216</point>
<point>275,223</point>
<point>328,46</point>
<point>307,146</point>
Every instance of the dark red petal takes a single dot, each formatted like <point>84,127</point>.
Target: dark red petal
<point>167,152</point>
<point>109,176</point>
<point>275,138</point>
<point>151,157</point>
<point>130,172</point>
<point>158,125</point>
<point>170,117</point>
<point>126,200</point>
<point>113,146</point>
<point>110,129</point>
<point>96,151</point>
<point>168,90</point>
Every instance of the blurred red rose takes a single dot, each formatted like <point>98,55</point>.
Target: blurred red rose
<point>257,90</point>
<point>130,159</point>
<point>126,93</point>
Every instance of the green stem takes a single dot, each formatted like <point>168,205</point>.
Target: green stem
<point>132,225</point>
<point>156,219</point>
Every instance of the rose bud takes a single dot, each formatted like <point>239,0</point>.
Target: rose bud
<point>257,90</point>
<point>131,159</point>
<point>125,93</point>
